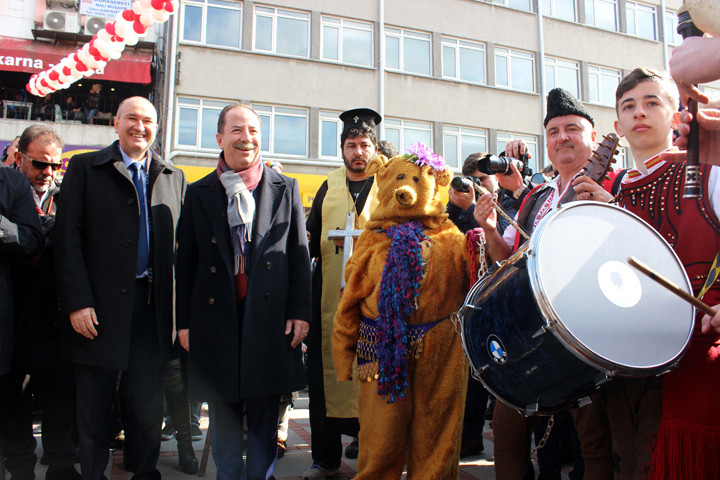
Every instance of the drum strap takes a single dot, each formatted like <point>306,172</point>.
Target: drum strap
<point>711,277</point>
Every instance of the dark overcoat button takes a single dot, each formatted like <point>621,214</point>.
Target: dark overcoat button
<point>127,243</point>
<point>123,289</point>
<point>213,269</point>
<point>268,265</point>
<point>213,240</point>
<point>267,296</point>
<point>131,201</point>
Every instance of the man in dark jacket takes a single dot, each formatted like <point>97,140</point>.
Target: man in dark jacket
<point>243,295</point>
<point>114,250</point>
<point>21,240</point>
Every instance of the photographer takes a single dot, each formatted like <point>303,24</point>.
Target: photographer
<point>462,204</point>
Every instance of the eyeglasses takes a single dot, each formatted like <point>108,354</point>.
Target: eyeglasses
<point>41,165</point>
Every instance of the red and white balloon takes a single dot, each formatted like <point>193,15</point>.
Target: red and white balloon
<point>106,45</point>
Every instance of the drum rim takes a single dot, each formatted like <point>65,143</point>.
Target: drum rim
<point>461,319</point>
<point>556,325</point>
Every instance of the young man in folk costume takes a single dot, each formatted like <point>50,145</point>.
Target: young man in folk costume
<point>348,191</point>
<point>688,438</point>
<point>570,133</point>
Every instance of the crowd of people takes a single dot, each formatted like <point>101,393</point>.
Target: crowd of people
<point>124,284</point>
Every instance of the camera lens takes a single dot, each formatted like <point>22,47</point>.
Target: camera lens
<point>461,184</point>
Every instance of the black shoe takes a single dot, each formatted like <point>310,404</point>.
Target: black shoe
<point>351,451</point>
<point>167,432</point>
<point>471,448</point>
<point>196,433</point>
<point>186,454</point>
<point>67,473</point>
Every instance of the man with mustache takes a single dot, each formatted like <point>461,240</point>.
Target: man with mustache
<point>570,134</point>
<point>243,296</point>
<point>114,252</point>
<point>347,191</point>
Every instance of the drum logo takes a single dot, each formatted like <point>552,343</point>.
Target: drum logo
<point>496,350</point>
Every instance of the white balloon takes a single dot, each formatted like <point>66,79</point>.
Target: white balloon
<point>104,35</point>
<point>131,39</point>
<point>89,72</point>
<point>147,19</point>
<point>103,47</point>
<point>138,8</point>
<point>122,28</point>
<point>160,16</point>
<point>146,3</point>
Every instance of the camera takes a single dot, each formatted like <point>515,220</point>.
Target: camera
<point>463,184</point>
<point>493,164</point>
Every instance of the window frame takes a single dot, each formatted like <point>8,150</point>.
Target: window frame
<point>636,8</point>
<point>513,53</point>
<point>342,27</point>
<point>594,23</point>
<point>460,132</point>
<point>274,30</point>
<point>204,5</point>
<point>404,125</point>
<point>671,16</point>
<point>330,116</point>
<point>269,130</point>
<point>549,6</point>
<point>602,72</point>
<point>556,63</point>
<point>457,44</point>
<point>199,105</point>
<point>401,34</point>
<point>531,141</point>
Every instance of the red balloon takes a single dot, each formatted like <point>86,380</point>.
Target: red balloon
<point>81,67</point>
<point>53,75</point>
<point>27,87</point>
<point>128,15</point>
<point>117,39</point>
<point>67,71</point>
<point>139,27</point>
<point>157,4</point>
<point>169,7</point>
<point>44,83</point>
<point>110,28</point>
<point>94,51</point>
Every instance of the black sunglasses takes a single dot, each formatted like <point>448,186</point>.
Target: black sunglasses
<point>40,165</point>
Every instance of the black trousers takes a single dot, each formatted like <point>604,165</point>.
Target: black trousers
<point>141,400</point>
<point>18,442</point>
<point>325,432</point>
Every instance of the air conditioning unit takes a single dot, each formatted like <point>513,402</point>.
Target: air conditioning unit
<point>94,25</point>
<point>61,21</point>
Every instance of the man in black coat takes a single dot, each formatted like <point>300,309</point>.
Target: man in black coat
<point>114,250</point>
<point>21,240</point>
<point>243,295</point>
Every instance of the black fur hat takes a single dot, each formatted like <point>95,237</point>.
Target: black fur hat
<point>561,102</point>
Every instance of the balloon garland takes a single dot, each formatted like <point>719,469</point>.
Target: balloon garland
<point>107,44</point>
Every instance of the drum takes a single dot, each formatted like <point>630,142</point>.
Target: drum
<point>566,312</point>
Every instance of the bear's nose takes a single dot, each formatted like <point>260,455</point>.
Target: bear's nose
<point>405,196</point>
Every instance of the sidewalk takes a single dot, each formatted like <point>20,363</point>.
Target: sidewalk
<point>297,458</point>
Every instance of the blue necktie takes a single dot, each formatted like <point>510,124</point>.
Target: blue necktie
<point>143,256</point>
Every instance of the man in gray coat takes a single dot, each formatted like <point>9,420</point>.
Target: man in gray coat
<point>114,250</point>
<point>243,295</point>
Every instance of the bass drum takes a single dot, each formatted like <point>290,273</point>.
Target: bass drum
<point>566,312</point>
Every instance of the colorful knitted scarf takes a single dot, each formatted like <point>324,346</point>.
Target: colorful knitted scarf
<point>399,287</point>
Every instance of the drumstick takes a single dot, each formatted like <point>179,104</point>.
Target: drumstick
<point>501,211</point>
<point>700,305</point>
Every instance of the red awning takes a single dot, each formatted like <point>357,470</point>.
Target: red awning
<point>32,56</point>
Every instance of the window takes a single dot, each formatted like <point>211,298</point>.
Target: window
<point>459,142</point>
<point>407,50</point>
<point>622,159</point>
<point>562,9</point>
<point>284,129</point>
<point>463,60</point>
<point>330,130</point>
<point>530,141</point>
<point>212,22</point>
<point>671,23</point>
<point>197,122</point>
<point>518,4</point>
<point>286,32</point>
<point>641,20</point>
<point>713,93</point>
<point>514,69</point>
<point>402,133</point>
<point>347,41</point>
<point>602,84</point>
<point>562,74</point>
<point>601,13</point>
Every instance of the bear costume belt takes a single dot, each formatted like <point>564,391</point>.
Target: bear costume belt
<point>367,360</point>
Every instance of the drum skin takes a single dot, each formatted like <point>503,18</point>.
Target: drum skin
<point>537,369</point>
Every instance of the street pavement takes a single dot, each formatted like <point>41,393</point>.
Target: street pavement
<point>296,460</point>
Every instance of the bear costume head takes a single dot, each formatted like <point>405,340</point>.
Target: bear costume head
<point>409,188</point>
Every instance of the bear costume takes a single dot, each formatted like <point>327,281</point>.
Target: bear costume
<point>405,279</point>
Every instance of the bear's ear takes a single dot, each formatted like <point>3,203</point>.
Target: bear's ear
<point>375,164</point>
<point>443,177</point>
